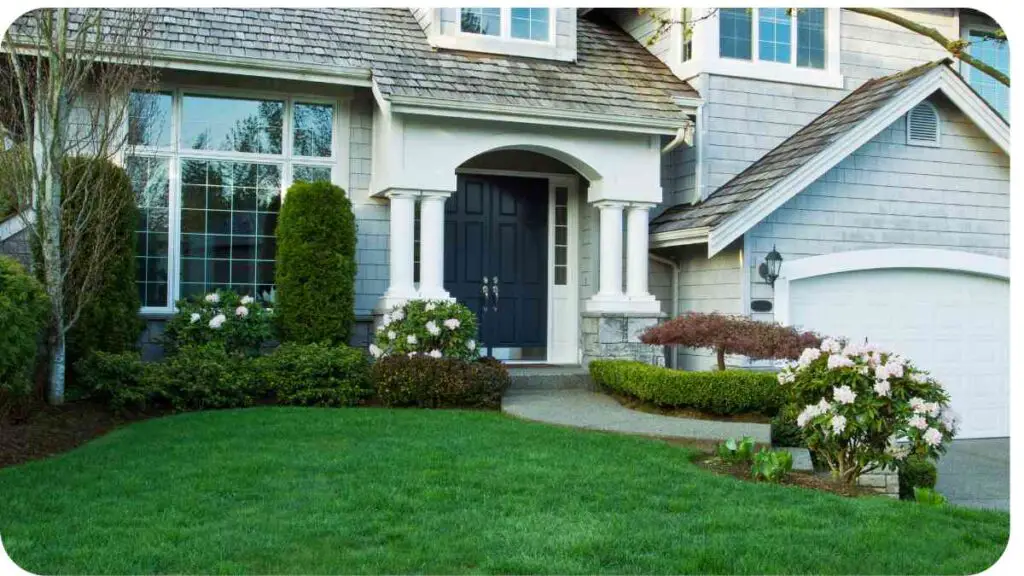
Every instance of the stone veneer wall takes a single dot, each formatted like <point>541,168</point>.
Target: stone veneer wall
<point>617,336</point>
<point>884,482</point>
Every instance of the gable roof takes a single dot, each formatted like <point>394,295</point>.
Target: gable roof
<point>802,158</point>
<point>613,76</point>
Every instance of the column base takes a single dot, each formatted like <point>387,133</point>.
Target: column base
<point>435,294</point>
<point>616,335</point>
<point>621,304</point>
<point>394,298</point>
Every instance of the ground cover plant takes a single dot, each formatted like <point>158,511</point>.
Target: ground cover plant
<point>371,490</point>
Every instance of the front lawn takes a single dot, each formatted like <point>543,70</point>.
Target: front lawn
<point>373,490</point>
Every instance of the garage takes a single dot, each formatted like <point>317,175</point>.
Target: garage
<point>946,311</point>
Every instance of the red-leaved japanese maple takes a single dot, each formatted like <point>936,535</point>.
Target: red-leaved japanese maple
<point>731,335</point>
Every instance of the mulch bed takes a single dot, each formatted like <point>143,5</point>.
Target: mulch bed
<point>43,430</point>
<point>803,479</point>
<point>641,406</point>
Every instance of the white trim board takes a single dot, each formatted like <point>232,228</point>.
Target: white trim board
<point>942,78</point>
<point>886,258</point>
<point>14,224</point>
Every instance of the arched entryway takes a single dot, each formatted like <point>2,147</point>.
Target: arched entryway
<point>511,253</point>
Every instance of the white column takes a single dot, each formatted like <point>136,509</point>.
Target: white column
<point>609,296</point>
<point>636,258</point>
<point>403,221</point>
<point>432,246</point>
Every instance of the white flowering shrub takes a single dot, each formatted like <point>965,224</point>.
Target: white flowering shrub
<point>437,328</point>
<point>240,323</point>
<point>862,408</point>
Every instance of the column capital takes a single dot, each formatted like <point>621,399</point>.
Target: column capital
<point>611,204</point>
<point>401,193</point>
<point>641,205</point>
<point>441,195</point>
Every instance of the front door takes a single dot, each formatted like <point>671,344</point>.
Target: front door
<point>496,248</point>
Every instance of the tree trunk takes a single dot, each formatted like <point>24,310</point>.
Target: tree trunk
<point>49,160</point>
<point>721,358</point>
<point>58,368</point>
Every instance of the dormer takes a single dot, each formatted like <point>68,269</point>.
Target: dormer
<point>547,33</point>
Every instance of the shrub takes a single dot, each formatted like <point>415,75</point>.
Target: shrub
<point>916,472</point>
<point>315,375</point>
<point>731,335</point>
<point>437,328</point>
<point>771,465</point>
<point>718,392</point>
<point>200,377</point>
<point>119,380</point>
<point>784,430</point>
<point>439,382</point>
<point>240,325</point>
<point>929,497</point>
<point>316,264</point>
<point>858,400</point>
<point>109,320</point>
<point>734,450</point>
<point>24,312</point>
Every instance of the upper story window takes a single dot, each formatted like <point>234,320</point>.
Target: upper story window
<point>777,32</point>
<point>996,53</point>
<point>518,23</point>
<point>686,48</point>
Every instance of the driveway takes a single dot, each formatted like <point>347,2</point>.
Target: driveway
<point>976,473</point>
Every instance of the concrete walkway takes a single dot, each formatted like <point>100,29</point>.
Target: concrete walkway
<point>595,411</point>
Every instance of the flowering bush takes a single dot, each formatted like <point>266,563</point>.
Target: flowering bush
<point>240,324</point>
<point>441,329</point>
<point>864,408</point>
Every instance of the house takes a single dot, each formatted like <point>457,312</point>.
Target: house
<point>574,176</point>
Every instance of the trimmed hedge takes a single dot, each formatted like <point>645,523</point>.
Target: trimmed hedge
<point>202,377</point>
<point>110,320</point>
<point>118,380</point>
<point>916,472</point>
<point>719,392</point>
<point>24,312</point>
<point>439,382</point>
<point>316,265</point>
<point>315,375</point>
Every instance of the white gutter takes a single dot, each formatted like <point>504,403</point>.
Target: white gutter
<point>15,223</point>
<point>675,294</point>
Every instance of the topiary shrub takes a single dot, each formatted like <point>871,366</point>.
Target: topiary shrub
<point>118,380</point>
<point>438,328</point>
<point>427,382</point>
<point>316,265</point>
<point>241,325</point>
<point>731,335</point>
<point>717,392</point>
<point>866,408</point>
<point>315,375</point>
<point>109,320</point>
<point>916,472</point>
<point>202,377</point>
<point>24,312</point>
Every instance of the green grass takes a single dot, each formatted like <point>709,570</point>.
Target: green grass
<point>397,491</point>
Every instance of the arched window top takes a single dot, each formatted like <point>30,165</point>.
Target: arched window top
<point>923,125</point>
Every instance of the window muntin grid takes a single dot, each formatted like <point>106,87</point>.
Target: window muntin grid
<point>774,34</point>
<point>561,235</point>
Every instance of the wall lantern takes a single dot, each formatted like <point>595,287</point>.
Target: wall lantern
<point>769,269</point>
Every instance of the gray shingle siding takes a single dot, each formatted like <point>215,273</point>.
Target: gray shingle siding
<point>888,194</point>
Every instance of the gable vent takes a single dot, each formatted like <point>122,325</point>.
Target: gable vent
<point>923,125</point>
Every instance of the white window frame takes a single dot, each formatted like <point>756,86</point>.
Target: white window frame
<point>337,162</point>
<point>505,18</point>
<point>965,69</point>
<point>706,57</point>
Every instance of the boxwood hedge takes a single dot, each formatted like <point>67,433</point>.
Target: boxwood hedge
<point>719,392</point>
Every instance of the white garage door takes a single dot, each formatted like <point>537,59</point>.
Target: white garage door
<point>955,325</point>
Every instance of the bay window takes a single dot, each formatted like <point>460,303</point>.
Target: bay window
<point>209,181</point>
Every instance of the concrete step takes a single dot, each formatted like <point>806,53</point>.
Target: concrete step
<point>539,378</point>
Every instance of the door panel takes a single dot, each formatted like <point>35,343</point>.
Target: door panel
<point>496,227</point>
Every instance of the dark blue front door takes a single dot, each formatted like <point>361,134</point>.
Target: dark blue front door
<point>496,253</point>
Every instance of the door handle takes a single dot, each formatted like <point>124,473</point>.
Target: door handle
<point>485,291</point>
<point>495,290</point>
